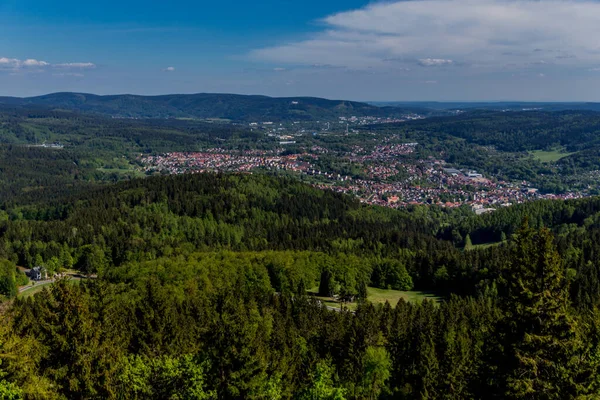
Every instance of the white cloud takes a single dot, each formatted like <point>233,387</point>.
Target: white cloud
<point>15,64</point>
<point>8,62</point>
<point>279,69</point>
<point>434,62</point>
<point>482,33</point>
<point>76,65</point>
<point>169,69</point>
<point>33,65</point>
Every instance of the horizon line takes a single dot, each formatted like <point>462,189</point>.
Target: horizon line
<point>306,96</point>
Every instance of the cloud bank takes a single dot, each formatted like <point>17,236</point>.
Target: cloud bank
<point>30,64</point>
<point>451,34</point>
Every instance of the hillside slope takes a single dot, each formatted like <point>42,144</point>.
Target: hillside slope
<point>207,105</point>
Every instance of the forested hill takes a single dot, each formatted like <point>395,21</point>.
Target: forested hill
<point>205,287</point>
<point>166,216</point>
<point>216,286</point>
<point>238,212</point>
<point>207,105</point>
<point>511,131</point>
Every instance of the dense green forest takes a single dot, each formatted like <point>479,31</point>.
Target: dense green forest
<point>114,135</point>
<point>515,131</point>
<point>94,150</point>
<point>200,287</point>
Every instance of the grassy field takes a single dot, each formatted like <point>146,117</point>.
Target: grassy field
<point>550,156</point>
<point>39,287</point>
<point>486,245</point>
<point>375,295</point>
<point>36,289</point>
<point>380,296</point>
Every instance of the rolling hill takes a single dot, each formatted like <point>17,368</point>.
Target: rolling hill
<point>207,105</point>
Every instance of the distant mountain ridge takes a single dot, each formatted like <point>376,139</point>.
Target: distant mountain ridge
<point>243,108</point>
<point>491,105</point>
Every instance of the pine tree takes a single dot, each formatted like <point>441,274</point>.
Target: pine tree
<point>539,340</point>
<point>323,387</point>
<point>468,243</point>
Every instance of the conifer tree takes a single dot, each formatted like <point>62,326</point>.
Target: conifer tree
<point>539,338</point>
<point>468,243</point>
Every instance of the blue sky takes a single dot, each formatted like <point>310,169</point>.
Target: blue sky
<point>544,50</point>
